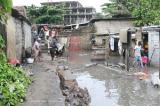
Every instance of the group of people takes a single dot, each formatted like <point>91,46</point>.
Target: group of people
<point>140,55</point>
<point>54,47</point>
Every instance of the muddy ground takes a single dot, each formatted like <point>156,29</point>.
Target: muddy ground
<point>45,89</point>
<point>106,87</point>
<point>112,88</point>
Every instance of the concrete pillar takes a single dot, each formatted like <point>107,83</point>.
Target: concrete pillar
<point>77,5</point>
<point>77,19</point>
<point>85,18</point>
<point>70,19</point>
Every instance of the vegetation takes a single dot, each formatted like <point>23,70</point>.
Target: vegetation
<point>46,14</point>
<point>146,11</point>
<point>5,7</point>
<point>99,15</point>
<point>115,10</point>
<point>13,81</point>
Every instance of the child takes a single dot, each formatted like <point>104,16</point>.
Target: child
<point>137,53</point>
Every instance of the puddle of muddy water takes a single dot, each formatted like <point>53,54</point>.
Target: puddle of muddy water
<point>118,92</point>
<point>98,92</point>
<point>107,88</point>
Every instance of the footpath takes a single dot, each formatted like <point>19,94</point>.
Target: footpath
<point>45,89</point>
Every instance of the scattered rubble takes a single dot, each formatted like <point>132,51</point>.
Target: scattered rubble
<point>74,95</point>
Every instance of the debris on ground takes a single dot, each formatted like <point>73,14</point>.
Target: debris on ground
<point>74,95</point>
<point>122,65</point>
<point>90,65</point>
<point>141,75</point>
<point>30,60</point>
<point>29,72</point>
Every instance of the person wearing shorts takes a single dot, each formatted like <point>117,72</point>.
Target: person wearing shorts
<point>137,52</point>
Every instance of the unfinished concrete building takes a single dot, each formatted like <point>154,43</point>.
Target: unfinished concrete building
<point>75,12</point>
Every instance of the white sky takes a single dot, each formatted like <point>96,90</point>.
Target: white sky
<point>94,3</point>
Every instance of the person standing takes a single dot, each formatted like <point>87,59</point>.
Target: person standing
<point>53,48</point>
<point>137,53</point>
<point>36,50</point>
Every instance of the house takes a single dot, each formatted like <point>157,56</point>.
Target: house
<point>151,39</point>
<point>111,25</point>
<point>98,27</point>
<point>17,35</point>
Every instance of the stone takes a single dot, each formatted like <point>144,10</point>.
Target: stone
<point>75,96</point>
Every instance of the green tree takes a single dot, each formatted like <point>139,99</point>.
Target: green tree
<point>99,15</point>
<point>5,8</point>
<point>146,11</point>
<point>115,9</point>
<point>13,81</point>
<point>46,14</point>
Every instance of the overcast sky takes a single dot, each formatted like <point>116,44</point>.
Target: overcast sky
<point>94,3</point>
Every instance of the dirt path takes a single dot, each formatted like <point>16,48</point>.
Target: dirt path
<point>45,90</point>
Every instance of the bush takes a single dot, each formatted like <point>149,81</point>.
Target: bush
<point>13,82</point>
<point>13,85</point>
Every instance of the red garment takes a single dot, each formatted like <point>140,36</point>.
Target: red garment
<point>14,61</point>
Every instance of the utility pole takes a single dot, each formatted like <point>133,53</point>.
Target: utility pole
<point>107,50</point>
<point>129,33</point>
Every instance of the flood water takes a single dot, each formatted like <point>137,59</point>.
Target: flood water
<point>108,88</point>
<point>98,92</point>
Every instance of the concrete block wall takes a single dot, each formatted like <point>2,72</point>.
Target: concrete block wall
<point>19,38</point>
<point>84,32</point>
<point>18,34</point>
<point>28,35</point>
<point>11,37</point>
<point>112,26</point>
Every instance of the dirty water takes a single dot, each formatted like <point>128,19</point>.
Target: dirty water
<point>112,90</point>
<point>108,88</point>
<point>97,91</point>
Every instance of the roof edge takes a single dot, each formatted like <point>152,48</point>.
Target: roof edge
<point>110,19</point>
<point>17,15</point>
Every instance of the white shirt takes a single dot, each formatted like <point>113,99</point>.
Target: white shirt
<point>36,46</point>
<point>137,50</point>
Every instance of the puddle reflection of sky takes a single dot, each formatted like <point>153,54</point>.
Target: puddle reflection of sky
<point>100,96</point>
